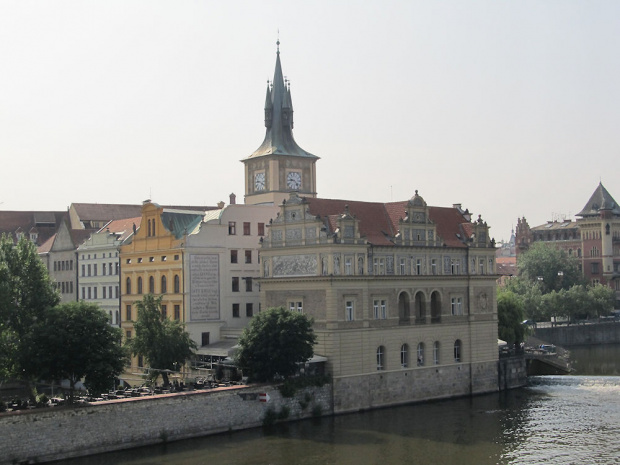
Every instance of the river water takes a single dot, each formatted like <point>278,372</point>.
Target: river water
<point>555,420</point>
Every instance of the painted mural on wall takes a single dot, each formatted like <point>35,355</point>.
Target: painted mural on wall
<point>295,265</point>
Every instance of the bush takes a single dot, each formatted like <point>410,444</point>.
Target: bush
<point>270,417</point>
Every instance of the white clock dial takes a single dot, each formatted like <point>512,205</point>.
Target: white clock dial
<point>259,181</point>
<point>293,180</point>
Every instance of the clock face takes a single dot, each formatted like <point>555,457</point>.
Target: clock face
<point>293,180</point>
<point>259,181</point>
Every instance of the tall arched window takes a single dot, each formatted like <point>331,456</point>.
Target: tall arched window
<point>457,350</point>
<point>380,358</point>
<point>148,232</point>
<point>128,286</point>
<point>421,354</point>
<point>404,356</point>
<point>164,285</point>
<point>177,284</point>
<point>140,285</point>
<point>436,352</point>
<point>151,285</point>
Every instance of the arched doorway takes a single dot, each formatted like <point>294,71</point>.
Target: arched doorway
<point>403,307</point>
<point>435,307</point>
<point>420,308</point>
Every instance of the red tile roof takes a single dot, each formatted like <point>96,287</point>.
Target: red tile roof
<point>379,222</point>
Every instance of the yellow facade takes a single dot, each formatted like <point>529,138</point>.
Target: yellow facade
<point>152,263</point>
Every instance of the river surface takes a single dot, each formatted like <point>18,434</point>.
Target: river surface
<point>555,420</point>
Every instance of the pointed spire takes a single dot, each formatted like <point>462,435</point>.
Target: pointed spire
<point>279,117</point>
<point>600,200</point>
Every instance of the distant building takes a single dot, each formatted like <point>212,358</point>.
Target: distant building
<point>99,266</point>
<point>593,238</point>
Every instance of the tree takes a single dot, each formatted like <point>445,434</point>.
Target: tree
<point>510,316</point>
<point>602,300</point>
<point>552,268</point>
<point>75,342</point>
<point>27,293</point>
<point>274,343</point>
<point>164,343</point>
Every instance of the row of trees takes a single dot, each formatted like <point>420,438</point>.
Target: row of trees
<point>43,339</point>
<point>549,286</point>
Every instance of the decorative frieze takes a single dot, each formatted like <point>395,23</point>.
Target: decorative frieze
<point>294,265</point>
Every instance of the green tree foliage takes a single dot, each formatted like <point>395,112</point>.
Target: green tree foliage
<point>274,343</point>
<point>510,316</point>
<point>164,343</point>
<point>549,267</point>
<point>26,294</point>
<point>74,341</point>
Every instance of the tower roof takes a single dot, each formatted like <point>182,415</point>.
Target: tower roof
<point>279,119</point>
<point>600,200</point>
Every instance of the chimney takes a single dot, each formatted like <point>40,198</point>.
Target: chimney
<point>233,199</point>
<point>220,204</point>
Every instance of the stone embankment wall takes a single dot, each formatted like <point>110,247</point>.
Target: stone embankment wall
<point>56,433</point>
<point>512,372</point>
<point>588,334</point>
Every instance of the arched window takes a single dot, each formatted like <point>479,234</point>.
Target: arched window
<point>128,286</point>
<point>151,285</point>
<point>404,356</point>
<point>421,354</point>
<point>380,358</point>
<point>177,284</point>
<point>457,351</point>
<point>436,352</point>
<point>148,233</point>
<point>164,285</point>
<point>140,285</point>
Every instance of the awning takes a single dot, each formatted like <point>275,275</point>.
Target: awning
<point>223,348</point>
<point>501,343</point>
<point>317,359</point>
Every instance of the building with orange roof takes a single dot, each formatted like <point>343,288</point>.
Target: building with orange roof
<point>403,294</point>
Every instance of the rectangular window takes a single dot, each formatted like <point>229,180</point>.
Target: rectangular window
<point>418,266</point>
<point>433,267</point>
<point>104,293</point>
<point>128,334</point>
<point>104,269</point>
<point>249,310</point>
<point>248,256</point>
<point>116,292</point>
<point>205,339</point>
<point>456,304</point>
<point>89,269</point>
<point>164,311</point>
<point>246,228</point>
<point>83,293</point>
<point>348,266</point>
<point>261,229</point>
<point>116,268</point>
<point>348,310</point>
<point>83,270</point>
<point>90,296</point>
<point>235,310</point>
<point>296,306</point>
<point>232,228</point>
<point>403,266</point>
<point>379,307</point>
<point>95,269</point>
<point>233,256</point>
<point>235,284</point>
<point>128,313</point>
<point>594,268</point>
<point>248,284</point>
<point>95,292</point>
<point>177,312</point>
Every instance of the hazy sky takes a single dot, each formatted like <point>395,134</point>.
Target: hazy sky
<point>511,108</point>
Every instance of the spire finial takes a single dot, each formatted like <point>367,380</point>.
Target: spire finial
<point>278,43</point>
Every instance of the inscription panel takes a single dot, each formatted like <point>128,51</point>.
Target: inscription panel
<point>204,287</point>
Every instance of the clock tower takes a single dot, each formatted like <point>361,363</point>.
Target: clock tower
<point>279,166</point>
